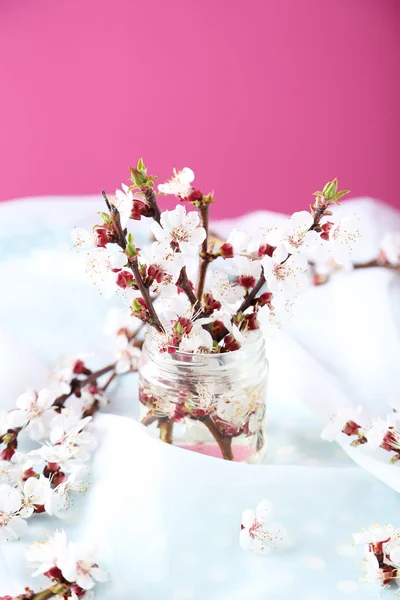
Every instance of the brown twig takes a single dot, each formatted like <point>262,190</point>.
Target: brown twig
<point>224,442</point>
<point>151,198</point>
<point>376,263</point>
<point>149,419</point>
<point>184,284</point>
<point>109,380</point>
<point>204,210</point>
<point>250,297</point>
<point>166,427</point>
<point>155,321</point>
<point>58,589</point>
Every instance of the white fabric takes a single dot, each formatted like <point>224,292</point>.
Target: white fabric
<point>166,520</point>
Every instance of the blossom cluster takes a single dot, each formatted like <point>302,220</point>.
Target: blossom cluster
<point>380,565</point>
<point>172,284</point>
<point>58,419</point>
<point>71,567</point>
<point>351,423</point>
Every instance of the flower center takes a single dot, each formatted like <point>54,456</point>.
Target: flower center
<point>180,234</point>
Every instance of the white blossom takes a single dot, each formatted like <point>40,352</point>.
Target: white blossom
<point>239,240</point>
<point>169,262</point>
<point>374,534</point>
<point>123,201</point>
<point>86,400</point>
<point>101,265</point>
<point>244,266</point>
<point>47,555</point>
<point>197,340</point>
<point>120,320</point>
<point>181,228</point>
<point>127,355</point>
<point>390,248</point>
<point>79,565</point>
<point>229,294</point>
<point>12,419</point>
<point>376,432</point>
<point>36,492</point>
<point>180,184</point>
<point>259,532</point>
<point>60,500</point>
<point>372,574</point>
<point>12,525</point>
<point>36,410</point>
<point>72,450</point>
<point>66,425</point>
<point>342,237</point>
<point>334,427</point>
<point>83,238</point>
<point>297,237</point>
<point>285,275</point>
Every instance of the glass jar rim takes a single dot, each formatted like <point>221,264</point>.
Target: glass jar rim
<point>254,347</point>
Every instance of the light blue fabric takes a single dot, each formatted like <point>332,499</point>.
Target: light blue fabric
<point>189,549</point>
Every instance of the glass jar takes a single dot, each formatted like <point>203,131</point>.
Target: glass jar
<point>209,403</point>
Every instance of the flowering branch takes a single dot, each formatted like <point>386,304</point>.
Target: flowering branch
<point>131,254</point>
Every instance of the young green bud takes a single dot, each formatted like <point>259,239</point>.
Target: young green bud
<point>130,249</point>
<point>105,217</point>
<point>330,189</point>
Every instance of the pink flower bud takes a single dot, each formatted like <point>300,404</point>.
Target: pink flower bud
<point>155,272</point>
<point>194,196</point>
<point>79,367</point>
<point>247,281</point>
<point>77,590</point>
<point>186,324</point>
<point>210,304</point>
<point>226,250</point>
<point>139,309</point>
<point>101,237</point>
<point>28,473</point>
<point>230,344</point>
<point>50,469</point>
<point>58,478</point>
<point>251,322</point>
<point>7,453</point>
<point>266,250</point>
<point>265,300</point>
<point>53,573</point>
<point>351,428</point>
<point>326,227</point>
<point>140,209</point>
<point>124,279</point>
<point>217,328</point>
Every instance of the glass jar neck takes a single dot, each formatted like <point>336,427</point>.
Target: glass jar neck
<point>251,352</point>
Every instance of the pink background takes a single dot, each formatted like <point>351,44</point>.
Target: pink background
<point>264,99</point>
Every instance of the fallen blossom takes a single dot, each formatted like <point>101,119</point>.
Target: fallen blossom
<point>259,532</point>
